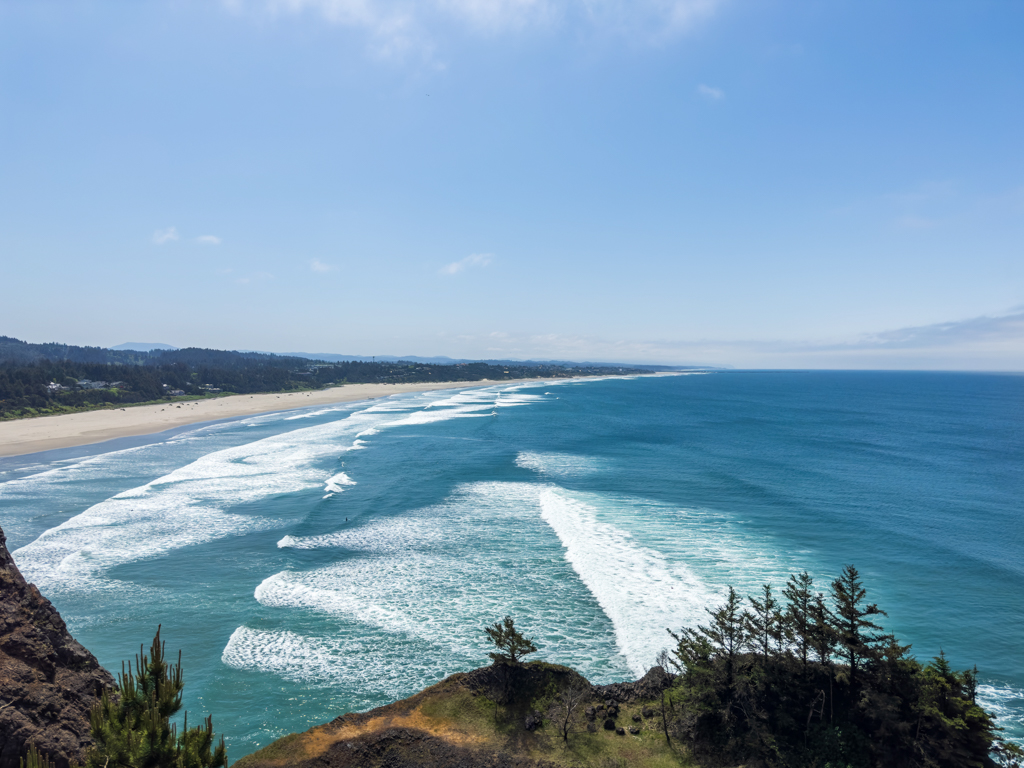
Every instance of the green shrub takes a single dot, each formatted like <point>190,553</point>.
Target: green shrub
<point>132,729</point>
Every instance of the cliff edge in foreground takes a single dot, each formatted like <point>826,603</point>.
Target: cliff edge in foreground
<point>488,719</point>
<point>48,681</point>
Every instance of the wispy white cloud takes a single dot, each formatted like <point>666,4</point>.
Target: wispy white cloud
<point>501,15</point>
<point>1008,328</point>
<point>980,343</point>
<point>318,266</point>
<point>715,94</point>
<point>209,240</point>
<point>164,236</point>
<point>396,28</point>
<point>474,260</point>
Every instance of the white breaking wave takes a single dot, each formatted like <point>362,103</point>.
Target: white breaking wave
<point>188,506</point>
<point>335,484</point>
<point>1004,701</point>
<point>412,579</point>
<point>390,536</point>
<point>68,471</point>
<point>313,414</point>
<point>638,588</point>
<point>371,592</point>
<point>559,464</point>
<point>359,663</point>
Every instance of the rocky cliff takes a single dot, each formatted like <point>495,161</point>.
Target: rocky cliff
<point>48,681</point>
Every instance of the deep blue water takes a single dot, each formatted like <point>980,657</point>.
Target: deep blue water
<point>315,562</point>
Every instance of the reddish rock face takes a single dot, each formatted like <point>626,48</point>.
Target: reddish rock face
<point>48,681</point>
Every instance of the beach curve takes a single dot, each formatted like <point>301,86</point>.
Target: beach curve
<point>69,430</point>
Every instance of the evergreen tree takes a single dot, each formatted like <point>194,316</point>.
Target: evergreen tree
<point>133,728</point>
<point>799,616</point>
<point>951,729</point>
<point>727,631</point>
<point>510,644</point>
<point>822,631</point>
<point>764,624</point>
<point>744,698</point>
<point>852,621</point>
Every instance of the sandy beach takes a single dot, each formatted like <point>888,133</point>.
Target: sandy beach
<point>47,433</point>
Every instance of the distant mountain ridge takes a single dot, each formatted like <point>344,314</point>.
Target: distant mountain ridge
<point>142,353</point>
<point>444,360</point>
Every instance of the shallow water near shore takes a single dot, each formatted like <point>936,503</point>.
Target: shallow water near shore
<point>315,562</point>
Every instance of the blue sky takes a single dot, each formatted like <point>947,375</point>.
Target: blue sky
<point>756,184</point>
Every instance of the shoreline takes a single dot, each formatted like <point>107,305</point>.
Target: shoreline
<point>21,437</point>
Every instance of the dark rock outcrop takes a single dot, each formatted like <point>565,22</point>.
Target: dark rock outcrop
<point>647,687</point>
<point>409,748</point>
<point>48,681</point>
<point>533,721</point>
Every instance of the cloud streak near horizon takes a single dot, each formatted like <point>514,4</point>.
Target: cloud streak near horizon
<point>1009,327</point>
<point>983,343</point>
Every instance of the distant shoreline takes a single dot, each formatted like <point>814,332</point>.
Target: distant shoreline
<point>70,430</point>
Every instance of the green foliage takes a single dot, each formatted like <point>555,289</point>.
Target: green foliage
<point>35,759</point>
<point>852,623</point>
<point>817,683</point>
<point>764,623</point>
<point>510,644</point>
<point>132,729</point>
<point>799,617</point>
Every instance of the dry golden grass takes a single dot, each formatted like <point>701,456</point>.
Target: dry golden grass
<point>452,713</point>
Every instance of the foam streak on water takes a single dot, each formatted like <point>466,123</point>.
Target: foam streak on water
<point>636,587</point>
<point>413,580</point>
<point>187,506</point>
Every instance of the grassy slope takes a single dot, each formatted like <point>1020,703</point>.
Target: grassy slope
<point>460,715</point>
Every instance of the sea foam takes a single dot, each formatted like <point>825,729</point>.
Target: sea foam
<point>189,506</point>
<point>637,588</point>
<point>412,579</point>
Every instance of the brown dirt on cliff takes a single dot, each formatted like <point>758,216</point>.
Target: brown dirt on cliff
<point>48,681</point>
<point>458,724</point>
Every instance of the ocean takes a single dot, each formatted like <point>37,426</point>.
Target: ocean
<point>332,559</point>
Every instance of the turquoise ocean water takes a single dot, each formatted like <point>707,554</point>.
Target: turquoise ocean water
<point>332,559</point>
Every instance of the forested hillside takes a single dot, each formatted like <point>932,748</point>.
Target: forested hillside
<point>40,379</point>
